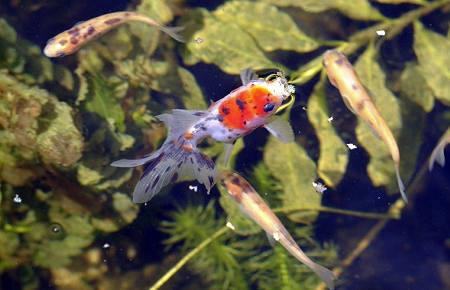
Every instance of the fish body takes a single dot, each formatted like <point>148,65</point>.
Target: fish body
<point>237,114</point>
<point>438,152</point>
<point>251,203</point>
<point>73,39</point>
<point>343,76</point>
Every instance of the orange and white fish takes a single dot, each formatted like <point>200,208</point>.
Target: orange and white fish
<point>343,76</point>
<point>438,152</point>
<point>251,203</point>
<point>71,40</point>
<point>239,113</point>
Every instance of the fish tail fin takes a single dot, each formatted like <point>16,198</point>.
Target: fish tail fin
<point>401,186</point>
<point>173,31</point>
<point>438,156</point>
<point>326,275</point>
<point>177,158</point>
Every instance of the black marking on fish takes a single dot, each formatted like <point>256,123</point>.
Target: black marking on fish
<point>339,61</point>
<point>155,181</point>
<point>174,178</point>
<point>148,167</point>
<point>219,118</point>
<point>113,21</point>
<point>74,31</point>
<point>199,114</point>
<point>355,87</point>
<point>90,30</point>
<point>240,104</point>
<point>63,42</point>
<point>226,110</point>
<point>211,179</point>
<point>74,40</point>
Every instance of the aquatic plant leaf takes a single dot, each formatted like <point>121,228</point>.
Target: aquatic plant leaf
<point>192,97</point>
<point>290,164</point>
<point>87,176</point>
<point>432,50</point>
<point>333,156</point>
<point>358,9</point>
<point>271,28</point>
<point>402,1</point>
<point>413,86</point>
<point>10,244</point>
<point>101,100</point>
<point>221,43</point>
<point>380,168</point>
<point>149,36</point>
<point>61,143</point>
<point>125,207</point>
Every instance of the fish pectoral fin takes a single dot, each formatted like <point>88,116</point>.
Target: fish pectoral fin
<point>247,75</point>
<point>271,239</point>
<point>228,149</point>
<point>348,105</point>
<point>281,129</point>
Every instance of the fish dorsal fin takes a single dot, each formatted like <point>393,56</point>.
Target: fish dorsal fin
<point>178,121</point>
<point>247,75</point>
<point>228,148</point>
<point>281,129</point>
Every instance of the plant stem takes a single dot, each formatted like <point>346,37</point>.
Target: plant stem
<point>360,214</point>
<point>359,39</point>
<point>186,258</point>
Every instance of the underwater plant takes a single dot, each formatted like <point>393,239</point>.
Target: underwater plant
<point>66,216</point>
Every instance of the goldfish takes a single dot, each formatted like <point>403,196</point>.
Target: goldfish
<point>246,108</point>
<point>73,39</point>
<point>251,203</point>
<point>438,152</point>
<point>343,76</point>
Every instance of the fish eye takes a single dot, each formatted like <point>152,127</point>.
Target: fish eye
<point>269,107</point>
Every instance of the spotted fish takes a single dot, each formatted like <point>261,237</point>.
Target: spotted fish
<point>239,113</point>
<point>72,40</point>
<point>251,203</point>
<point>343,76</point>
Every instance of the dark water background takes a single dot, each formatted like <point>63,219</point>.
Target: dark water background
<point>411,253</point>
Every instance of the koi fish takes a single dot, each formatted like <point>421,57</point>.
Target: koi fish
<point>251,203</point>
<point>343,76</point>
<point>72,40</point>
<point>239,113</point>
<point>438,152</point>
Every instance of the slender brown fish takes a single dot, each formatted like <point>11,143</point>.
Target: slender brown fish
<point>438,152</point>
<point>71,40</point>
<point>343,76</point>
<point>257,209</point>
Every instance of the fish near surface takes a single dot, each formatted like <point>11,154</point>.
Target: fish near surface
<point>343,76</point>
<point>239,113</point>
<point>438,152</point>
<point>73,39</point>
<point>251,203</point>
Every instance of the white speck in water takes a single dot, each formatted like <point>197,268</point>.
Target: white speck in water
<point>276,236</point>
<point>198,40</point>
<point>330,119</point>
<point>106,246</point>
<point>304,108</point>
<point>319,187</point>
<point>17,199</point>
<point>193,187</point>
<point>230,226</point>
<point>104,261</point>
<point>351,146</point>
<point>381,32</point>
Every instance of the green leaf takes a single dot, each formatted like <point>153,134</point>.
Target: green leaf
<point>192,96</point>
<point>402,1</point>
<point>432,51</point>
<point>290,164</point>
<point>413,86</point>
<point>101,100</point>
<point>125,207</point>
<point>356,9</point>
<point>381,166</point>
<point>224,44</point>
<point>333,152</point>
<point>271,28</point>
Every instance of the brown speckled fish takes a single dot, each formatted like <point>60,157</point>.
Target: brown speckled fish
<point>251,203</point>
<point>343,76</point>
<point>71,40</point>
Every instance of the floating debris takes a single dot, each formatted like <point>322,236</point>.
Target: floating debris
<point>198,40</point>
<point>193,188</point>
<point>230,226</point>
<point>330,119</point>
<point>319,187</point>
<point>106,246</point>
<point>276,236</point>
<point>381,32</point>
<point>17,199</point>
<point>351,146</point>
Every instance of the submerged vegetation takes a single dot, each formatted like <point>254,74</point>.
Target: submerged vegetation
<point>65,213</point>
